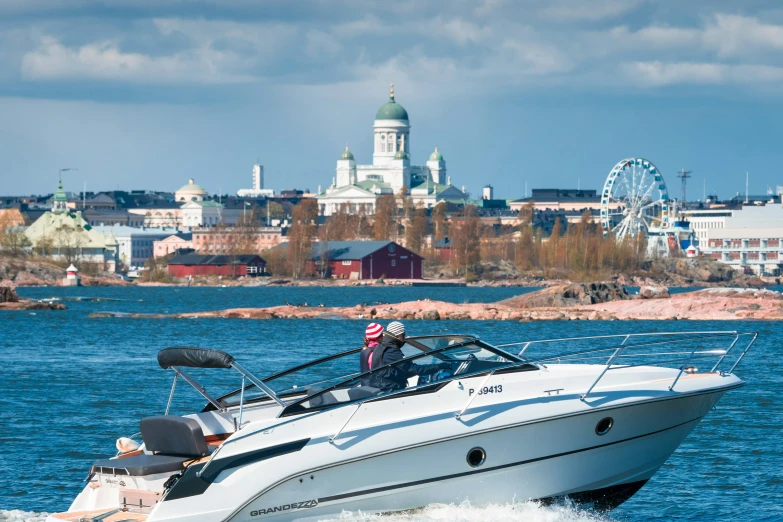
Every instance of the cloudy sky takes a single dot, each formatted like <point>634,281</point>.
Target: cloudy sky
<point>146,93</point>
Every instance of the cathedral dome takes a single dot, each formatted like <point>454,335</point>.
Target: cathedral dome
<point>391,110</point>
<point>347,155</point>
<point>401,155</point>
<point>436,156</point>
<point>190,192</point>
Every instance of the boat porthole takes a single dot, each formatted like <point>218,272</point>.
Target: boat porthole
<point>604,425</point>
<point>476,457</point>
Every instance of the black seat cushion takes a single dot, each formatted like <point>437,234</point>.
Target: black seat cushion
<point>362,392</point>
<point>140,465</point>
<point>324,399</point>
<point>173,435</point>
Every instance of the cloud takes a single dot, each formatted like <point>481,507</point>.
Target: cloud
<point>458,30</point>
<point>656,36</point>
<point>655,74</point>
<point>449,48</point>
<point>320,43</point>
<point>588,10</point>
<point>104,61</point>
<point>735,35</point>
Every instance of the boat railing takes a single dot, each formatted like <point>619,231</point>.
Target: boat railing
<point>623,350</point>
<point>619,353</point>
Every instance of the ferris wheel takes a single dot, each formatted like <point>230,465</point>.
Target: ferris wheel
<point>634,199</point>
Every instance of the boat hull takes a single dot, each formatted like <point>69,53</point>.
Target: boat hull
<point>541,460</point>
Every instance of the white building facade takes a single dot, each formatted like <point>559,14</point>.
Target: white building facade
<point>136,245</point>
<point>750,238</point>
<point>257,189</point>
<point>358,186</point>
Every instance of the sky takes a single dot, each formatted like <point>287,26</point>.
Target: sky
<point>144,94</point>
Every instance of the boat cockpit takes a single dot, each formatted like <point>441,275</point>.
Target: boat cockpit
<point>335,379</point>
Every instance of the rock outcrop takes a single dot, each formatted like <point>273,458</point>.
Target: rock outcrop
<point>8,294</point>
<point>708,304</point>
<point>561,296</point>
<point>653,292</point>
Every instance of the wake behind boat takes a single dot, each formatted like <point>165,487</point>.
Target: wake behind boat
<point>590,418</point>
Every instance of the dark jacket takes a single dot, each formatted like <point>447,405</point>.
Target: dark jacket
<point>395,377</point>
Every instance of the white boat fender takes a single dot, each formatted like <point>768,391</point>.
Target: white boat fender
<point>126,445</point>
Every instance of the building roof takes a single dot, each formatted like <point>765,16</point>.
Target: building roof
<point>60,195</point>
<point>563,196</point>
<point>391,110</point>
<point>435,188</point>
<point>191,187</point>
<point>200,259</point>
<point>443,242</point>
<point>401,155</point>
<point>348,250</point>
<point>347,155</point>
<point>101,198</point>
<point>436,156</point>
<point>107,212</point>
<point>207,203</point>
<point>125,230</point>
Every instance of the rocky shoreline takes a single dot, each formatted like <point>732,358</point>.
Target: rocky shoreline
<point>9,300</point>
<point>594,302</point>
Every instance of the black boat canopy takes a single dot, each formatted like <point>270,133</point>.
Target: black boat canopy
<point>191,357</point>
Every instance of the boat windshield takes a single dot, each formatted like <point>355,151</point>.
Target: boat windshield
<point>320,374</point>
<point>423,371</point>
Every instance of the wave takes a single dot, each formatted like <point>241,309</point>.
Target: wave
<point>465,512</point>
<point>16,515</point>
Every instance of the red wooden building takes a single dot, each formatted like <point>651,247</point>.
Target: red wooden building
<point>205,265</point>
<point>364,260</point>
<point>443,248</point>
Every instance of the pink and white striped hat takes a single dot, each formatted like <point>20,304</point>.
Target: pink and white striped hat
<point>373,331</point>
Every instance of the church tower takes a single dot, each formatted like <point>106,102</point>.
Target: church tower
<point>392,131</point>
<point>346,169</point>
<point>437,166</point>
<point>60,200</point>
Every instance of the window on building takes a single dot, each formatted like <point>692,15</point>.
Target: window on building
<point>394,262</point>
<point>346,262</point>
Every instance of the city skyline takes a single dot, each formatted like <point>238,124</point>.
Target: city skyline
<point>146,95</point>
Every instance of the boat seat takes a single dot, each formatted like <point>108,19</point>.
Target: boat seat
<point>173,440</point>
<point>325,399</point>
<point>141,465</point>
<point>362,392</point>
<point>173,435</point>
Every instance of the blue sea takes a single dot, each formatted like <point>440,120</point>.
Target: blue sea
<point>72,385</point>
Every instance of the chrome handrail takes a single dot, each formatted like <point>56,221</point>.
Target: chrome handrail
<point>622,351</point>
<point>608,364</point>
<point>618,352</point>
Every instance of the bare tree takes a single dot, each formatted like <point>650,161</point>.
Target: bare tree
<point>417,230</point>
<point>14,241</point>
<point>385,226</point>
<point>68,242</point>
<point>439,223</point>
<point>300,237</point>
<point>466,240</point>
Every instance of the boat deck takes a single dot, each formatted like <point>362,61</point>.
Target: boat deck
<point>120,516</point>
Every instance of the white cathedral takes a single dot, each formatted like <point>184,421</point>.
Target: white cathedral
<point>359,186</point>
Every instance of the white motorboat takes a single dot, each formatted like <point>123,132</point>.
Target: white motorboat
<point>591,419</point>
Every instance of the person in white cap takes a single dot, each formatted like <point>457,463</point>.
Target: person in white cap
<point>388,352</point>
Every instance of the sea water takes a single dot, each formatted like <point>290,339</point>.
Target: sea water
<point>71,385</point>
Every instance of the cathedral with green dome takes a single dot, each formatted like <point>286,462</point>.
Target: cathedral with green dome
<point>359,186</point>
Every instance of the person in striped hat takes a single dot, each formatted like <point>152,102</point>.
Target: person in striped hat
<point>389,352</point>
<point>372,336</point>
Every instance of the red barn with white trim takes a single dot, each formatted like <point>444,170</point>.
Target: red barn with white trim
<point>364,260</point>
<point>194,265</point>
